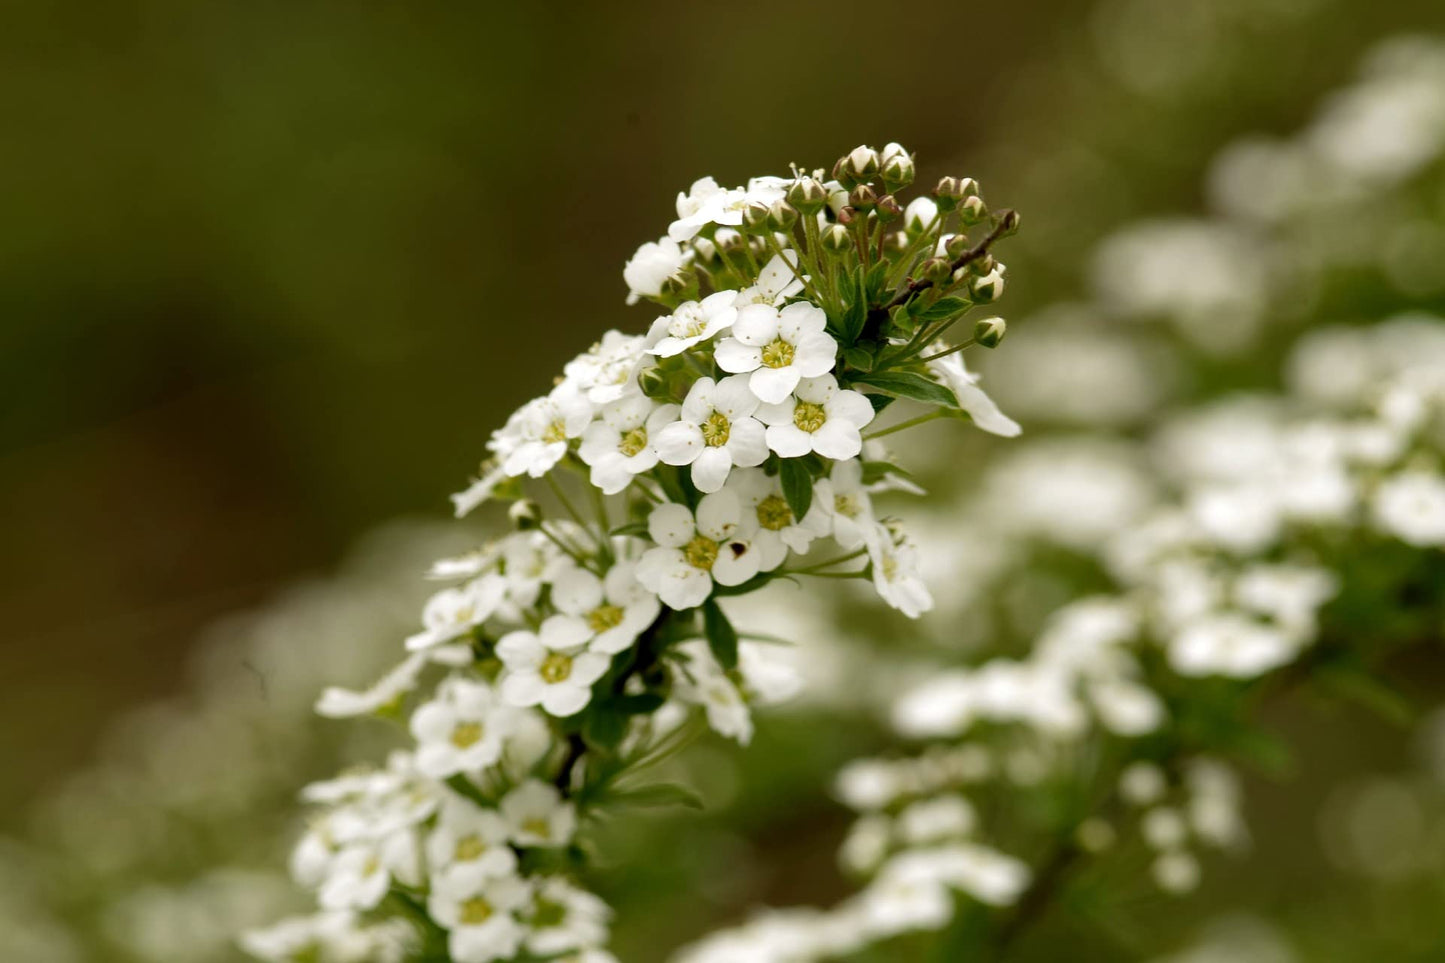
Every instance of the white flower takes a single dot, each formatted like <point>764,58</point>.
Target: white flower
<point>563,917</point>
<point>529,560</point>
<point>897,575</point>
<point>849,508</point>
<point>462,730</point>
<point>480,914</point>
<point>470,841</point>
<point>920,213</point>
<point>334,937</point>
<point>620,445</point>
<point>779,348</point>
<point>694,551</point>
<point>777,281</point>
<point>690,323</point>
<point>704,683</point>
<point>535,437</point>
<point>1231,644</point>
<point>538,816</point>
<point>615,609</point>
<point>339,703</point>
<point>778,531</point>
<point>1411,506</point>
<point>549,667</point>
<point>971,398</point>
<point>650,266</point>
<point>605,372</point>
<point>362,872</point>
<point>819,417</point>
<point>716,431</point>
<point>479,491</point>
<point>931,820</point>
<point>456,611</point>
<point>707,203</point>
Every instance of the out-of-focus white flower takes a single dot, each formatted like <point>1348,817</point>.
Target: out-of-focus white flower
<point>650,266</point>
<point>538,816</point>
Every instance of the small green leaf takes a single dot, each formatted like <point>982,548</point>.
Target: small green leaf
<point>658,794</point>
<point>907,384</point>
<point>856,311</point>
<point>879,402</point>
<point>873,284</point>
<point>722,638</point>
<point>605,726</point>
<point>859,358</point>
<point>797,486</point>
<point>943,309</point>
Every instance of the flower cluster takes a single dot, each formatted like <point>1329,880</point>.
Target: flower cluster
<point>722,450</point>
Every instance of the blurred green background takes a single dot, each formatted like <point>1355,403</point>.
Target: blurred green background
<point>272,271</point>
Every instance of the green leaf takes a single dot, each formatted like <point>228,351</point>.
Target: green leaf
<point>658,794</point>
<point>859,358</point>
<point>907,384</point>
<point>856,311</point>
<point>879,402</point>
<point>797,486</point>
<point>873,283</point>
<point>943,309</point>
<point>722,638</point>
<point>605,726</point>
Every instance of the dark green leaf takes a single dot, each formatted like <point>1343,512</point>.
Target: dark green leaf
<point>943,309</point>
<point>797,486</point>
<point>856,309</point>
<point>722,638</point>
<point>859,358</point>
<point>658,794</point>
<point>879,402</point>
<point>873,284</point>
<point>605,726</point>
<point>907,384</point>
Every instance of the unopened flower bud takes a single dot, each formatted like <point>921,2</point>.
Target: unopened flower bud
<point>983,265</point>
<point>841,175</point>
<point>836,240</point>
<point>936,269</point>
<point>808,195</point>
<point>860,164</point>
<point>990,331</point>
<point>847,216</point>
<point>1009,223</point>
<point>525,514</point>
<point>920,213</point>
<point>653,382</point>
<point>782,216</point>
<point>755,218</point>
<point>972,210</point>
<point>863,198</point>
<point>987,288</point>
<point>948,193</point>
<point>895,167</point>
<point>889,209</point>
<point>679,284</point>
<point>957,246</point>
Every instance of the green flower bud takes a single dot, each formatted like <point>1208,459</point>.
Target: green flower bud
<point>755,218</point>
<point>957,246</point>
<point>847,216</point>
<point>896,167</point>
<point>841,175</point>
<point>936,269</point>
<point>948,193</point>
<point>983,265</point>
<point>990,331</point>
<point>1009,224</point>
<point>972,210</point>
<point>782,217</point>
<point>987,288</point>
<point>808,195</point>
<point>889,209</point>
<point>653,383</point>
<point>860,164</point>
<point>836,240</point>
<point>863,198</point>
<point>525,515</point>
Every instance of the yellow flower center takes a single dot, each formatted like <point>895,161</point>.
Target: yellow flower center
<point>716,429</point>
<point>469,848</point>
<point>537,826</point>
<point>846,505</point>
<point>555,668</point>
<point>475,911</point>
<point>809,417</point>
<point>633,442</point>
<point>604,617</point>
<point>774,513</point>
<point>548,914</point>
<point>466,734</point>
<point>556,431</point>
<point>701,552</point>
<point>777,354</point>
<point>688,323</point>
<point>890,567</point>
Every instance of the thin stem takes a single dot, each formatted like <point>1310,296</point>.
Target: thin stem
<point>963,260</point>
<point>811,569</point>
<point>582,523</point>
<point>797,270</point>
<point>910,423</point>
<point>943,354</point>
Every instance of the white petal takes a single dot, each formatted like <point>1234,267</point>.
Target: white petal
<point>800,320</point>
<point>815,355</point>
<point>747,443</point>
<point>756,324</point>
<point>732,355</point>
<point>698,403</point>
<point>789,441</point>
<point>852,407</point>
<point>772,385</point>
<point>817,390</point>
<point>778,414</point>
<point>576,591</point>
<point>734,398</point>
<point>670,525</point>
<point>522,689</point>
<point>679,443</point>
<point>736,563</point>
<point>520,649</point>
<point>711,468</point>
<point>838,440</point>
<point>566,699</point>
<point>561,632</point>
<point>718,514</point>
